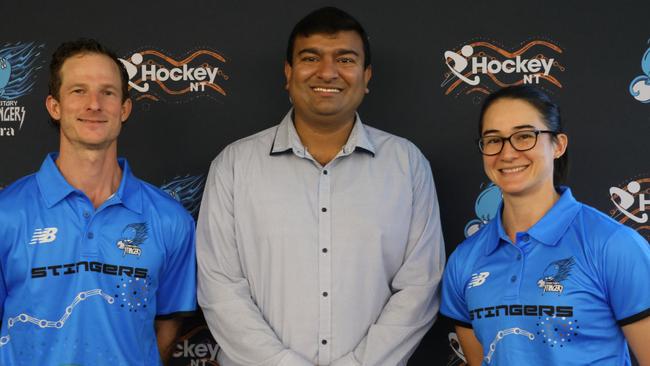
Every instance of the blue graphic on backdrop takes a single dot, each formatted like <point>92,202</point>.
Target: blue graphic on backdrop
<point>486,208</point>
<point>187,190</point>
<point>18,65</point>
<point>640,86</point>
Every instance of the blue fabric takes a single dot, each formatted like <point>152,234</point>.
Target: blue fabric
<point>558,295</point>
<point>83,286</point>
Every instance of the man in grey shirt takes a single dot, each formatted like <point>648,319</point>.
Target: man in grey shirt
<point>319,240</point>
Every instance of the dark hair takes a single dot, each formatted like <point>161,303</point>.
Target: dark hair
<point>82,46</point>
<point>549,111</point>
<point>328,20</point>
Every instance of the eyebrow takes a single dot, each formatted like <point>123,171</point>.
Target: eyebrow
<point>518,127</point>
<point>84,85</point>
<point>337,52</point>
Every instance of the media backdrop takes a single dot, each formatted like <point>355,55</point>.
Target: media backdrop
<point>206,73</point>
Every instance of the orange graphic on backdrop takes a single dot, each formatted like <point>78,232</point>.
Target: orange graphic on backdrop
<point>483,89</point>
<point>179,63</point>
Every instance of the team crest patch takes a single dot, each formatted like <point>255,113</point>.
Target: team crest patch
<point>554,274</point>
<point>132,236</point>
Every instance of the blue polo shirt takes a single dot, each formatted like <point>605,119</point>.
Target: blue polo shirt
<point>558,295</point>
<point>83,286</point>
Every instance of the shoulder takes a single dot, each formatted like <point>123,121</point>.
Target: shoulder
<point>19,203</point>
<point>399,155</point>
<point>260,142</point>
<point>385,141</point>
<point>161,205</point>
<point>473,248</point>
<point>600,229</point>
<point>15,194</point>
<point>476,245</point>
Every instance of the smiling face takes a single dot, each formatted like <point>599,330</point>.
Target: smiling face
<point>327,79</point>
<point>89,107</point>
<point>520,173</point>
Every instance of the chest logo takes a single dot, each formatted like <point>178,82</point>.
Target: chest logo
<point>478,279</point>
<point>554,274</point>
<point>44,235</point>
<point>132,236</point>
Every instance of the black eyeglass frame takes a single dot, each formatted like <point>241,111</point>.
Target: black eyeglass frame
<point>504,139</point>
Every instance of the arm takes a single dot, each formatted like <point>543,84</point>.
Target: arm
<point>166,332</point>
<point>637,337</point>
<point>223,293</point>
<point>472,348</point>
<point>176,295</point>
<point>412,308</point>
<point>626,266</point>
<point>3,296</point>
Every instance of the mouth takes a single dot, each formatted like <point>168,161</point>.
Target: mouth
<point>513,170</point>
<point>319,89</point>
<point>91,120</point>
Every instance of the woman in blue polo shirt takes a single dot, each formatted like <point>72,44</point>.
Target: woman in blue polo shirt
<point>549,281</point>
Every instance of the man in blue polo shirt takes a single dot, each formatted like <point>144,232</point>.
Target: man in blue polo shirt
<point>558,296</point>
<point>95,264</point>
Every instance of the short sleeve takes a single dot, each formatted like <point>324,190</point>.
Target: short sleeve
<point>626,269</point>
<point>453,304</point>
<point>177,285</point>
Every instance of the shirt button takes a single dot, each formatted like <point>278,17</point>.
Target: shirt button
<point>90,235</point>
<point>323,342</point>
<point>324,209</point>
<point>325,172</point>
<point>86,214</point>
<point>324,250</point>
<point>519,256</point>
<point>513,278</point>
<point>525,237</point>
<point>325,294</point>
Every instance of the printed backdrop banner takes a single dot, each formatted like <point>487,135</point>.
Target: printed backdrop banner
<point>203,74</point>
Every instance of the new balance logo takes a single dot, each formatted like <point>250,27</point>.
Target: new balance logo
<point>478,279</point>
<point>45,235</point>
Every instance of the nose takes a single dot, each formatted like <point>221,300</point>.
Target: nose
<point>327,70</point>
<point>94,102</point>
<point>508,152</point>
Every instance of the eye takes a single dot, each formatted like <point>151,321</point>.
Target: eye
<point>309,59</point>
<point>525,135</point>
<point>77,91</point>
<point>492,140</point>
<point>346,60</point>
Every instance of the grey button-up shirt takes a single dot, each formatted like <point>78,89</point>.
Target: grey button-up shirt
<point>303,264</point>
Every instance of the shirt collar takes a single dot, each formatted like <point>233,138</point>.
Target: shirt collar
<point>54,188</point>
<point>548,230</point>
<point>287,139</point>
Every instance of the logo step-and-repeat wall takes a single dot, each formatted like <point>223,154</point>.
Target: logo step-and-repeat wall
<point>209,73</point>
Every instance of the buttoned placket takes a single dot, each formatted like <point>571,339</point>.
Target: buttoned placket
<point>522,246</point>
<point>89,246</point>
<point>89,238</point>
<point>324,266</point>
<point>324,250</point>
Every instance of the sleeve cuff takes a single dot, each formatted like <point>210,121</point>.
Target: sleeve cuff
<point>177,314</point>
<point>634,318</point>
<point>457,322</point>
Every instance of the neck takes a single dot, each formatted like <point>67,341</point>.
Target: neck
<point>323,139</point>
<point>94,172</point>
<point>520,213</point>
